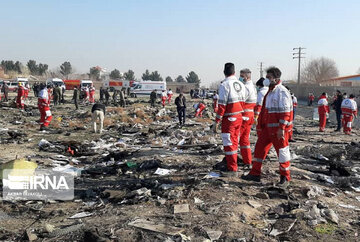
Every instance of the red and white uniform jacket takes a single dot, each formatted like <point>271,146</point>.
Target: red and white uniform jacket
<point>349,107</point>
<point>294,99</point>
<point>250,100</point>
<point>170,93</point>
<point>276,110</point>
<point>260,98</point>
<point>231,98</point>
<point>323,105</point>
<point>21,93</point>
<point>43,98</point>
<point>163,95</point>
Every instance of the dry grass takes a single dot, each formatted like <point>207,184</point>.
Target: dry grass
<point>164,118</point>
<point>55,124</point>
<point>142,121</point>
<point>138,105</point>
<point>203,120</point>
<point>118,110</point>
<point>75,124</point>
<point>125,118</point>
<point>141,114</point>
<point>108,122</point>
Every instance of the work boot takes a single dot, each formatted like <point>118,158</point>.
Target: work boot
<point>229,174</point>
<point>284,183</point>
<point>42,128</point>
<point>250,177</point>
<point>247,167</point>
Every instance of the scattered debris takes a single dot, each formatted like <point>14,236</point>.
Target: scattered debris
<point>181,208</point>
<point>81,215</point>
<point>156,227</point>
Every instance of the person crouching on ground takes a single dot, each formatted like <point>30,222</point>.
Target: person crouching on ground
<point>98,112</point>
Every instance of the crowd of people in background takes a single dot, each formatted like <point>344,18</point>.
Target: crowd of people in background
<point>345,107</point>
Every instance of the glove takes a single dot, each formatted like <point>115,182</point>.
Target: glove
<point>256,120</point>
<point>280,134</point>
<point>214,127</point>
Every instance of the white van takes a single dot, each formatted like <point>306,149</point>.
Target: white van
<point>146,87</point>
<point>23,80</point>
<point>86,83</point>
<point>55,82</point>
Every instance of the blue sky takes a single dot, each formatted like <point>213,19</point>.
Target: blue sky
<point>176,37</point>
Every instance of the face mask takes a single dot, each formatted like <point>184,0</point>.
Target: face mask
<point>241,79</point>
<point>266,82</point>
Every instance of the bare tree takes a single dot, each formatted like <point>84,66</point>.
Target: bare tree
<point>319,69</point>
<point>215,85</point>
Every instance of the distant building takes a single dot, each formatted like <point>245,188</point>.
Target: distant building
<point>344,81</point>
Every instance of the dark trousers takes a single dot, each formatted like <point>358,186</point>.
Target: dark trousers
<point>76,103</point>
<point>338,119</point>
<point>56,100</point>
<point>181,114</point>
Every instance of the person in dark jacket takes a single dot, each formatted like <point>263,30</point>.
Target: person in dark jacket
<point>57,95</point>
<point>337,106</point>
<point>107,96</point>
<point>5,90</point>
<point>180,103</point>
<point>76,97</point>
<point>101,94</point>
<point>153,98</point>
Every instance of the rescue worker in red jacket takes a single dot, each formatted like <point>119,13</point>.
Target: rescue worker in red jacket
<point>169,95</point>
<point>92,94</point>
<point>349,111</point>
<point>230,109</point>
<point>323,109</point>
<point>215,101</point>
<point>27,89</point>
<point>311,98</point>
<point>20,96</point>
<point>87,94</point>
<point>163,98</point>
<point>44,107</point>
<point>274,122</point>
<point>199,109</point>
<point>247,116</point>
<point>50,94</point>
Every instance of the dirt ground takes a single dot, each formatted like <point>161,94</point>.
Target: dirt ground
<point>118,188</point>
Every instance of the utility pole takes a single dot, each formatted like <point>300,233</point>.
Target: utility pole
<point>261,69</point>
<point>298,55</point>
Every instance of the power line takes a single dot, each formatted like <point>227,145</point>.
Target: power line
<point>298,55</point>
<point>261,69</point>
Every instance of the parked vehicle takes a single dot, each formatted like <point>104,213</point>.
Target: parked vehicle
<point>87,83</point>
<point>117,84</point>
<point>210,93</point>
<point>55,81</point>
<point>70,84</point>
<point>146,87</point>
